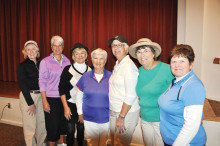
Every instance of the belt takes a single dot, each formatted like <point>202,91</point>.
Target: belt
<point>35,91</point>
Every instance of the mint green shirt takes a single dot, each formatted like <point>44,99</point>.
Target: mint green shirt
<point>151,84</point>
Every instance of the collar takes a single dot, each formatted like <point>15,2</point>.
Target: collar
<point>123,60</point>
<point>182,79</point>
<point>93,73</point>
<point>55,57</point>
<point>31,61</point>
<point>79,70</point>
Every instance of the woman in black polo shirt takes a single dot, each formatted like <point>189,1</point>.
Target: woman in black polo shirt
<point>30,97</point>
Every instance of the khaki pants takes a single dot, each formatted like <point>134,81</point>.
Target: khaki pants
<point>123,139</point>
<point>151,133</point>
<point>96,133</point>
<point>33,126</point>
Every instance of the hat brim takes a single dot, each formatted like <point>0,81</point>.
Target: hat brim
<point>132,48</point>
<point>111,40</point>
<point>78,45</point>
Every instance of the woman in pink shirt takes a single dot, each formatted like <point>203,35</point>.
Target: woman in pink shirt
<point>50,71</point>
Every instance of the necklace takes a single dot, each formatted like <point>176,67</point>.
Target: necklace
<point>36,66</point>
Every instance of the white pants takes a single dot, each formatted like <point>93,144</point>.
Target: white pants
<point>151,133</point>
<point>123,139</point>
<point>33,126</point>
<point>96,133</point>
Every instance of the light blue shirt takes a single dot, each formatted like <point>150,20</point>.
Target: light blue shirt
<point>171,109</point>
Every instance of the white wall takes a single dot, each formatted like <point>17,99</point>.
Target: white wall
<point>13,115</point>
<point>212,130</point>
<point>211,48</point>
<point>198,26</point>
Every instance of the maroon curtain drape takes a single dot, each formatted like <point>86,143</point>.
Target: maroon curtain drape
<point>91,22</point>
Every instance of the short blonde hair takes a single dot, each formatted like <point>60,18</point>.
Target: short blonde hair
<point>30,42</point>
<point>73,57</point>
<point>99,51</point>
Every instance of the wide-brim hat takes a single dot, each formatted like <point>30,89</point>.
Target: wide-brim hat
<point>119,38</point>
<point>31,42</point>
<point>78,45</point>
<point>143,42</point>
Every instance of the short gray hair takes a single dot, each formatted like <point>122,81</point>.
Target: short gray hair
<point>57,38</point>
<point>126,47</point>
<point>99,51</point>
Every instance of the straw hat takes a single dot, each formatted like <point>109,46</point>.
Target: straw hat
<point>143,42</point>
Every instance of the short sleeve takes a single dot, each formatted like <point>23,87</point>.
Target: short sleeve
<point>194,94</point>
<point>80,83</point>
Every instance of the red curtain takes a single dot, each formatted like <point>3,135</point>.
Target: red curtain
<point>91,22</point>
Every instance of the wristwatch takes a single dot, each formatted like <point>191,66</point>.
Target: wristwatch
<point>121,117</point>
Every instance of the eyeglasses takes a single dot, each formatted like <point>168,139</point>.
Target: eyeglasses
<point>144,52</point>
<point>57,46</point>
<point>117,45</point>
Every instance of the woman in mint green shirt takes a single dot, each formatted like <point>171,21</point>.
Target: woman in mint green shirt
<point>154,78</point>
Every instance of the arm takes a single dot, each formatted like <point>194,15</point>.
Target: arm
<point>79,102</point>
<point>67,111</point>
<point>120,123</point>
<point>63,90</point>
<point>192,120</point>
<point>130,83</point>
<point>46,105</point>
<point>43,79</point>
<point>22,80</point>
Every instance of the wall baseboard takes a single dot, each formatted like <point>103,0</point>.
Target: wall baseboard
<point>15,123</point>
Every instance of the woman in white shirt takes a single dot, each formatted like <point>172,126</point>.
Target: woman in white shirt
<point>124,107</point>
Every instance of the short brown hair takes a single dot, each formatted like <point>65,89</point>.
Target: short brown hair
<point>184,51</point>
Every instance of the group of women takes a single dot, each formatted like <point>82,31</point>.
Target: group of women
<point>168,98</point>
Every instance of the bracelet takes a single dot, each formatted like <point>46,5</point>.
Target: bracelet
<point>121,117</point>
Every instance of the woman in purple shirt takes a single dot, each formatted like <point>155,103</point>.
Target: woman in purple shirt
<point>50,71</point>
<point>92,100</point>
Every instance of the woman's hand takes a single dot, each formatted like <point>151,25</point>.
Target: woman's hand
<point>120,125</point>
<point>81,119</point>
<point>67,113</point>
<point>31,110</point>
<point>46,107</point>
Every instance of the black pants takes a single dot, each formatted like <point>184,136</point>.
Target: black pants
<point>55,120</point>
<point>166,144</point>
<point>71,124</point>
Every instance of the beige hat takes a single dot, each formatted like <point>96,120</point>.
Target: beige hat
<point>143,42</point>
<point>31,42</point>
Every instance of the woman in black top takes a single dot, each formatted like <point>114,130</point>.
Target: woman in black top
<point>67,88</point>
<point>30,97</point>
